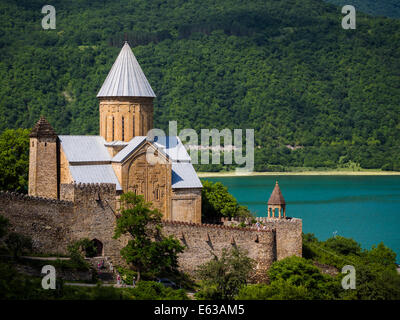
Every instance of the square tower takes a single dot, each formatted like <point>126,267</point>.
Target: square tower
<point>43,161</point>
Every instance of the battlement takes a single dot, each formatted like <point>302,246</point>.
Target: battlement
<point>77,192</point>
<point>262,220</point>
<point>10,196</point>
<point>215,226</point>
<point>95,187</point>
<point>267,220</point>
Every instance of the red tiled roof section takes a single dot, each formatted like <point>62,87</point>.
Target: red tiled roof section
<point>276,196</point>
<point>42,128</point>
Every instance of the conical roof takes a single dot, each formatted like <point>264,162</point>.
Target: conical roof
<point>126,78</point>
<point>42,128</point>
<point>276,196</point>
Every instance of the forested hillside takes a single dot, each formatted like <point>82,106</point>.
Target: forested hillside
<point>387,8</point>
<point>283,67</point>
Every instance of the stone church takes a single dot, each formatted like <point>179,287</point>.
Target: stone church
<point>119,154</point>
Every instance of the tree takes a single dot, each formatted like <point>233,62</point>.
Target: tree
<point>14,160</point>
<point>302,273</point>
<point>147,249</point>
<point>382,256</point>
<point>223,277</point>
<point>88,246</point>
<point>75,250</point>
<point>150,290</point>
<point>277,290</point>
<point>217,202</point>
<point>343,245</point>
<point>374,284</point>
<point>18,243</point>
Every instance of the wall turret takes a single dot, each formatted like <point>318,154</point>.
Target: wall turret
<point>43,160</point>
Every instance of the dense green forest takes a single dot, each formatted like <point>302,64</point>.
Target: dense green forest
<point>387,8</point>
<point>283,67</point>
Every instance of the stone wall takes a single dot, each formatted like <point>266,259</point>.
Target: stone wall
<point>186,205</point>
<point>43,161</point>
<point>94,214</point>
<point>202,242</point>
<point>88,211</point>
<point>46,221</point>
<point>288,235</point>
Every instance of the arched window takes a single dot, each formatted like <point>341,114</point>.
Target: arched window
<point>123,128</point>
<point>133,125</point>
<point>157,193</point>
<point>112,128</point>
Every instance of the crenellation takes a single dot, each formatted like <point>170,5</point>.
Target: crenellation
<point>26,197</point>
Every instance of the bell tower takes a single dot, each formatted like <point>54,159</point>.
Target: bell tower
<point>126,100</point>
<point>276,201</point>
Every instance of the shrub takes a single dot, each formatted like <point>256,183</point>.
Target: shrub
<point>17,244</point>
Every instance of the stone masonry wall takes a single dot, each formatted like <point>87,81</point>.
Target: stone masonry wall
<point>94,214</point>
<point>46,221</point>
<point>88,211</point>
<point>288,235</point>
<point>203,241</point>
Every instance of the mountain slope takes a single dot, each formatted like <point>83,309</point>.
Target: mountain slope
<point>285,68</point>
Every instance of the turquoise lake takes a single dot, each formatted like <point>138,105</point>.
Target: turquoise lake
<point>365,208</point>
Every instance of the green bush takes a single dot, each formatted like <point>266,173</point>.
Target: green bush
<point>217,202</point>
<point>18,244</point>
<point>224,276</point>
<point>150,290</point>
<point>277,290</point>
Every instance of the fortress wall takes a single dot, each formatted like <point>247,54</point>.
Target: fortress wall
<point>203,241</point>
<point>46,221</point>
<point>94,214</point>
<point>288,235</point>
<point>88,211</point>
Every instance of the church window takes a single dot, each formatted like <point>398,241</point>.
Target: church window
<point>112,129</point>
<point>157,193</point>
<point>123,129</point>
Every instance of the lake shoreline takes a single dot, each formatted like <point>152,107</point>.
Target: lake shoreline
<point>300,173</point>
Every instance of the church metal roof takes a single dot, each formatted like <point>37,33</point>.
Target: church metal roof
<point>126,78</point>
<point>94,174</point>
<point>84,148</point>
<point>90,162</point>
<point>125,152</point>
<point>171,146</point>
<point>184,176</point>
